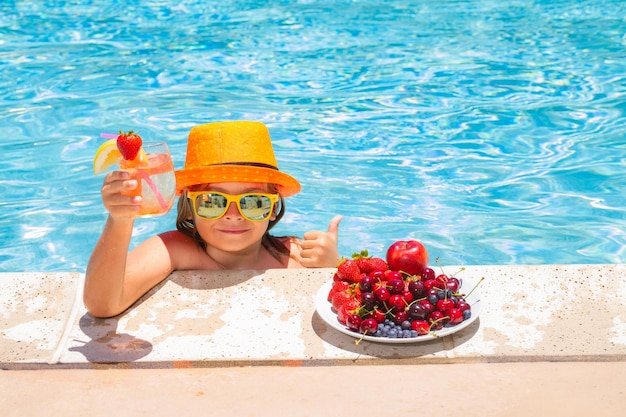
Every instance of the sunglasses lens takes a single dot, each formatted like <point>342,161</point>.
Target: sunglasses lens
<point>255,207</point>
<point>210,206</point>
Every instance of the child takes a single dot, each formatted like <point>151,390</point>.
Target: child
<point>231,195</point>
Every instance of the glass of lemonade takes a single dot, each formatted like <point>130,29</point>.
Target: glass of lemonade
<point>156,182</point>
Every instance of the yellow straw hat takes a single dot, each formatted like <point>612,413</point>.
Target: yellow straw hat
<point>237,151</point>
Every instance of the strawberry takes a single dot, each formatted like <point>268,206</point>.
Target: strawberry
<point>129,144</point>
<point>338,286</point>
<point>348,270</point>
<point>350,306</point>
<point>339,298</point>
<point>369,265</point>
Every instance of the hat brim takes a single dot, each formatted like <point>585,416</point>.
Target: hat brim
<point>236,173</point>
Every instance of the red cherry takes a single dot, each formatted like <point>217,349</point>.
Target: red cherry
<point>417,288</point>
<point>420,326</point>
<point>445,304</point>
<point>378,284</point>
<point>382,294</point>
<point>396,302</point>
<point>367,283</point>
<point>463,305</point>
<point>400,317</point>
<point>377,275</point>
<point>389,275</point>
<point>368,326</point>
<point>455,314</point>
<point>442,278</point>
<point>433,291</point>
<point>417,311</point>
<point>395,286</point>
<point>428,273</point>
<point>437,320</point>
<point>430,283</point>
<point>453,284</point>
<point>353,322</point>
<point>368,300</point>
<point>407,296</point>
<point>378,315</point>
<point>427,305</point>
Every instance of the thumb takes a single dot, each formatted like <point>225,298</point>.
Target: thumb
<point>333,226</point>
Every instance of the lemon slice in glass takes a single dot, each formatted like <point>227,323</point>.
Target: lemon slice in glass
<point>107,155</point>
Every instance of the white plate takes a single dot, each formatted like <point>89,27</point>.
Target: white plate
<point>327,313</point>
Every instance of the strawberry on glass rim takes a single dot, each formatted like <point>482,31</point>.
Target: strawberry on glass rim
<point>125,147</point>
<point>129,144</point>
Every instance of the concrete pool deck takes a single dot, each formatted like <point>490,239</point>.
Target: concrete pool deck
<point>550,340</point>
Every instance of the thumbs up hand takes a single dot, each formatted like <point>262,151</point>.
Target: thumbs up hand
<point>319,249</point>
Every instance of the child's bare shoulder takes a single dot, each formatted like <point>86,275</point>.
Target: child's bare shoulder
<point>175,237</point>
<point>295,258</point>
<point>184,252</point>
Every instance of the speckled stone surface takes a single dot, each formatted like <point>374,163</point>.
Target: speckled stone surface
<point>36,310</point>
<point>530,313</point>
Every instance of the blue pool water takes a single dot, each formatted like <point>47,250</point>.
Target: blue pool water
<point>494,131</point>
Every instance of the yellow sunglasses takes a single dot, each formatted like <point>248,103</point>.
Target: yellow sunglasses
<point>212,205</point>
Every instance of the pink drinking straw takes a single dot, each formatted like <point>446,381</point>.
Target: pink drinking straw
<point>143,175</point>
<point>153,187</point>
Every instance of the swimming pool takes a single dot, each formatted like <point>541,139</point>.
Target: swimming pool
<point>495,132</point>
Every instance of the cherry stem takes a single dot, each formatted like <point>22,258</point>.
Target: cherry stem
<point>439,265</point>
<point>435,322</point>
<point>477,284</point>
<point>457,272</point>
<point>356,342</point>
<point>406,274</point>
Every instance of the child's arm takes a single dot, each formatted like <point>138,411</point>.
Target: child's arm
<point>319,249</point>
<point>114,279</point>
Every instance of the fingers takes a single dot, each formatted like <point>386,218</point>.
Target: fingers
<point>333,226</point>
<point>319,249</point>
<point>333,231</point>
<point>115,189</point>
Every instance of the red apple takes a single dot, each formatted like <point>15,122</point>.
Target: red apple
<point>409,256</point>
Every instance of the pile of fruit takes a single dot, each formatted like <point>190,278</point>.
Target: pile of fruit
<point>400,297</point>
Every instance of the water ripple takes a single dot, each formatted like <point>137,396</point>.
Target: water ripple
<point>493,131</point>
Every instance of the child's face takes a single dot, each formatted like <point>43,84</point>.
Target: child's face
<point>232,232</point>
